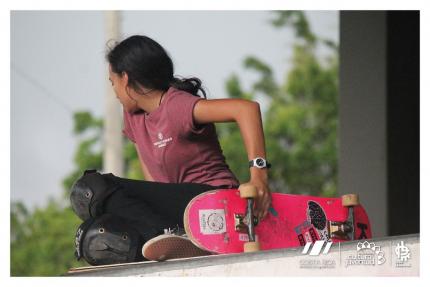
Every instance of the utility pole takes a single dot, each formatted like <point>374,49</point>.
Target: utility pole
<point>112,138</point>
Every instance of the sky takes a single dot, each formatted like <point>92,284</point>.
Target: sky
<point>58,67</point>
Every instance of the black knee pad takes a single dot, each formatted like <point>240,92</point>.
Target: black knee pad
<point>108,239</point>
<point>89,192</point>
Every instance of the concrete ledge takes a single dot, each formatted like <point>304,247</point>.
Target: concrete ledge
<point>342,260</point>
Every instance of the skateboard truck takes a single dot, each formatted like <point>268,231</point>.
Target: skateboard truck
<point>340,230</point>
<point>345,230</point>
<point>246,223</point>
<point>241,222</point>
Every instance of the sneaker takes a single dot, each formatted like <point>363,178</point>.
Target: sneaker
<point>171,246</point>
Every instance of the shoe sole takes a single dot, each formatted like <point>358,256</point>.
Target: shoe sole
<point>165,247</point>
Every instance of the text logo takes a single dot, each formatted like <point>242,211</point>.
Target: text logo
<point>403,254</point>
<point>367,254</point>
<point>162,142</point>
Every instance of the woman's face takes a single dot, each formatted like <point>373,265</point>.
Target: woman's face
<point>119,85</point>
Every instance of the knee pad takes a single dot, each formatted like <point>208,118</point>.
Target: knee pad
<point>108,239</point>
<point>89,192</point>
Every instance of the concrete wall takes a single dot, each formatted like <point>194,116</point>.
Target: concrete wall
<point>284,262</point>
<point>379,116</point>
<point>362,112</point>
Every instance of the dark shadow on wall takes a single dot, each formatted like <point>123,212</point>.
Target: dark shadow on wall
<point>403,100</point>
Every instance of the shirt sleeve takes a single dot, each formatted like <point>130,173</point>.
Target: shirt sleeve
<point>127,131</point>
<point>182,107</point>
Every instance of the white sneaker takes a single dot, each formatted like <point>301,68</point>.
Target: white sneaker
<point>171,246</point>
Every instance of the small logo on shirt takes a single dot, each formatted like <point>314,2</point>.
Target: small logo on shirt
<point>162,142</point>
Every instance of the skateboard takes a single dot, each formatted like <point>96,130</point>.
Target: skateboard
<point>222,221</point>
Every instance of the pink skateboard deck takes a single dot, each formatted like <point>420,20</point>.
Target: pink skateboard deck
<point>211,220</point>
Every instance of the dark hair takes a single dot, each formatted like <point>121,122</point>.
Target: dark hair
<point>148,64</point>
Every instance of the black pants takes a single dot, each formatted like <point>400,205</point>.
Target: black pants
<point>150,206</point>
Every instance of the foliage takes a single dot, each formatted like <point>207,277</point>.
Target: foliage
<point>42,241</point>
<point>300,124</point>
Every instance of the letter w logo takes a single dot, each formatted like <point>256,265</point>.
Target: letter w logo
<point>316,249</point>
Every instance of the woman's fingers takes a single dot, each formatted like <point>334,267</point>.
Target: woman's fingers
<point>262,205</point>
<point>266,200</point>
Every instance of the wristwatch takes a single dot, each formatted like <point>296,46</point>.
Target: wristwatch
<point>259,162</point>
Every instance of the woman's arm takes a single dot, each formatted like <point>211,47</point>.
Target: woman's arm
<point>248,116</point>
<point>145,170</point>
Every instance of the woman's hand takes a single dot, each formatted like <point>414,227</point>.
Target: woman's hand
<point>264,198</point>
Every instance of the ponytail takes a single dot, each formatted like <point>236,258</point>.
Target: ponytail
<point>190,85</point>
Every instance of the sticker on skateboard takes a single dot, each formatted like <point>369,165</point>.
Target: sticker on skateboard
<point>212,221</point>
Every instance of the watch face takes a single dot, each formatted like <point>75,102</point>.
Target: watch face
<point>259,162</point>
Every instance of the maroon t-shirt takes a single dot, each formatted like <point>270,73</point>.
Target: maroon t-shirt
<point>173,148</point>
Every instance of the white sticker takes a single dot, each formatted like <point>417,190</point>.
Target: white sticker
<point>212,221</point>
<point>244,237</point>
<point>308,237</point>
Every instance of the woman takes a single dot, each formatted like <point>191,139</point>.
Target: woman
<point>173,131</point>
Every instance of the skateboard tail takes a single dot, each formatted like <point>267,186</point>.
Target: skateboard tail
<point>190,221</point>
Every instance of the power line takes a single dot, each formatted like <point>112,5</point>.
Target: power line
<point>41,88</point>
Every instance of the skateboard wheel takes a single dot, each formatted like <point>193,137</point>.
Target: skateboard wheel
<point>247,191</point>
<point>350,200</point>
<point>251,246</point>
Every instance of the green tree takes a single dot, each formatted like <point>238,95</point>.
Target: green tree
<point>301,122</point>
<point>42,240</point>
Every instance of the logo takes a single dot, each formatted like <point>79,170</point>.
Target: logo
<point>316,249</point>
<point>215,222</point>
<point>212,221</point>
<point>162,142</point>
<point>367,254</point>
<point>403,254</point>
<point>316,216</point>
